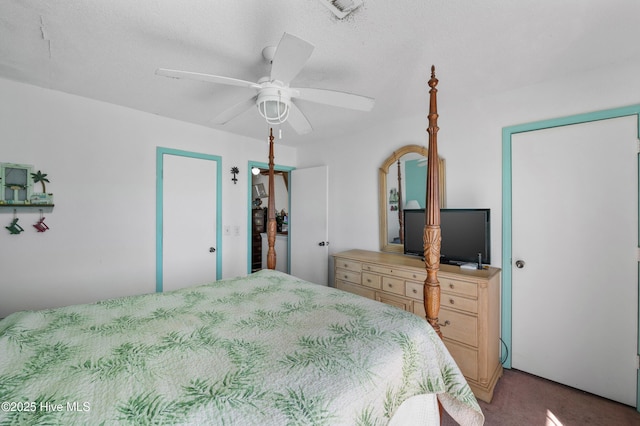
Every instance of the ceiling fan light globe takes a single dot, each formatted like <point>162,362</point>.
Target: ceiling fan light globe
<point>275,111</point>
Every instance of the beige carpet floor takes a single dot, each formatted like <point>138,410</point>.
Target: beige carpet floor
<point>521,399</point>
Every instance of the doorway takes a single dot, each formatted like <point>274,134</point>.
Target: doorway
<point>188,219</point>
<point>257,223</point>
<point>560,325</point>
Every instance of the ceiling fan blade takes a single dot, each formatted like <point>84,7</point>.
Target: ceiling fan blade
<point>235,110</point>
<point>335,98</point>
<point>291,55</point>
<point>298,121</point>
<point>187,75</point>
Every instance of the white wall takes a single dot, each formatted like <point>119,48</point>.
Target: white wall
<point>100,159</point>
<point>101,162</point>
<point>470,141</point>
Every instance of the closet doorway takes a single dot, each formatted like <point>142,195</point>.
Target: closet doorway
<point>259,192</point>
<point>307,251</point>
<point>570,299</point>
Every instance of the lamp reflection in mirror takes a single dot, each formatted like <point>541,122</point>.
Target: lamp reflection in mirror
<point>412,204</point>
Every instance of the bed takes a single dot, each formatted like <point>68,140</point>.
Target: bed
<point>266,349</point>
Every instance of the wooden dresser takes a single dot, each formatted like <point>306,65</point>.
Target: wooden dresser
<point>469,312</point>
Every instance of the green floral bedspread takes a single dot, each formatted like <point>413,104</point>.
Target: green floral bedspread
<point>267,349</point>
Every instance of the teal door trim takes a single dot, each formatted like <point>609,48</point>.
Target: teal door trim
<point>507,133</point>
<point>276,167</point>
<point>160,153</point>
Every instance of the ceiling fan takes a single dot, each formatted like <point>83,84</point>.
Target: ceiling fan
<point>275,99</point>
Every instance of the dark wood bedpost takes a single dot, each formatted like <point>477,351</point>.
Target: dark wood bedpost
<point>432,236</point>
<point>271,210</point>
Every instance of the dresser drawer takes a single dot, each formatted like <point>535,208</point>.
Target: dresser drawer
<point>396,272</point>
<point>347,275</point>
<point>460,327</point>
<point>393,285</point>
<point>398,302</point>
<point>466,358</point>
<point>378,269</point>
<point>411,275</point>
<point>456,302</point>
<point>371,280</point>
<point>464,288</point>
<point>350,265</point>
<point>419,310</point>
<point>414,290</point>
<point>355,289</point>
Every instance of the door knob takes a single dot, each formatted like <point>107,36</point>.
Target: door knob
<point>212,249</point>
<point>519,264</point>
<point>323,243</point>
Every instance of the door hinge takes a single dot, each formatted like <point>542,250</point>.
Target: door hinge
<point>638,256</point>
<point>638,145</point>
<point>637,362</point>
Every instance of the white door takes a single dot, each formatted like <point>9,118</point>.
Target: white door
<point>189,216</point>
<point>574,304</point>
<point>309,224</point>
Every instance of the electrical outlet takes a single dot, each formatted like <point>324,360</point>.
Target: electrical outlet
<point>236,230</point>
<point>227,230</point>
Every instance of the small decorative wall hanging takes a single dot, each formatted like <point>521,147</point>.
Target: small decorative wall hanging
<point>14,228</point>
<point>41,197</point>
<point>234,172</point>
<point>16,183</point>
<point>40,225</point>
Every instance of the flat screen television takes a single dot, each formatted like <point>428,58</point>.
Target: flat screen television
<point>465,233</point>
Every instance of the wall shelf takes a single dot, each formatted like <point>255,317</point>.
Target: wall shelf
<point>24,208</point>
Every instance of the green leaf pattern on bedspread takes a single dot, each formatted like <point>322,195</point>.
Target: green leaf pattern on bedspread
<point>267,349</point>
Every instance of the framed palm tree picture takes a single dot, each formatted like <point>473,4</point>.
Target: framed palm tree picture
<point>16,183</point>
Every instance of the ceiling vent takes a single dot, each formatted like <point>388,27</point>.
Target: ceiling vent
<point>341,8</point>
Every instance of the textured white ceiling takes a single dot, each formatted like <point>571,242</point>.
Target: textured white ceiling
<point>109,49</point>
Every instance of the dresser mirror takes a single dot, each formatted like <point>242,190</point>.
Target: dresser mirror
<point>403,185</point>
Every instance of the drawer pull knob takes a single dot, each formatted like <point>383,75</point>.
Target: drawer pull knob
<point>450,285</point>
<point>346,276</point>
<point>446,323</point>
<point>453,302</point>
<point>390,285</point>
<point>368,280</point>
<point>415,291</point>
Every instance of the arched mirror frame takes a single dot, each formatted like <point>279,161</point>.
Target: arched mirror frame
<point>383,174</point>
